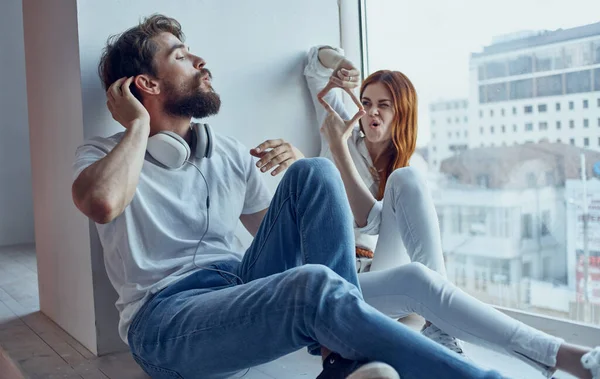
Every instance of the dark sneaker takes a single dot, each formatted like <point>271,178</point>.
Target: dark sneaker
<point>336,367</point>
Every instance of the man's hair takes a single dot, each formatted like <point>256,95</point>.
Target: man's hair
<point>132,52</point>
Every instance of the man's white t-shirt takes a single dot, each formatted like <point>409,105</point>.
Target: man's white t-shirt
<point>152,243</point>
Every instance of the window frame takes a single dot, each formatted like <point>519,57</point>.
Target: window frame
<point>571,331</point>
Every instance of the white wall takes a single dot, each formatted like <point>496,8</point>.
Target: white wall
<point>16,204</point>
<point>255,51</point>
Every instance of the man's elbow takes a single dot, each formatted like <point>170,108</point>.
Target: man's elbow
<point>99,209</point>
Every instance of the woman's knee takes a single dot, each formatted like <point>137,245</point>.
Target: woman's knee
<point>407,180</point>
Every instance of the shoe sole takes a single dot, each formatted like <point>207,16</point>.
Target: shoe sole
<point>375,370</point>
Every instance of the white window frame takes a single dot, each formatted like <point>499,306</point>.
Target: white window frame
<point>353,39</point>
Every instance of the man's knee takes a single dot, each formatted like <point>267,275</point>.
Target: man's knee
<point>313,168</point>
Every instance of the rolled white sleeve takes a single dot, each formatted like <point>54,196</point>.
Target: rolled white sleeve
<point>317,77</point>
<point>373,220</point>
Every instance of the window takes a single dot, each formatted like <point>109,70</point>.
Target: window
<point>545,227</point>
<point>449,120</point>
<point>433,148</point>
<point>492,129</point>
<point>540,82</point>
<point>466,133</point>
<point>586,141</point>
<point>466,119</point>
<point>457,120</point>
<point>491,113</point>
<point>521,89</point>
<point>578,82</point>
<point>585,104</point>
<point>549,85</point>
<point>432,135</point>
<point>526,226</point>
<point>457,133</point>
<point>531,180</point>
<point>586,123</point>
<point>483,181</point>
<point>598,121</point>
<point>449,134</point>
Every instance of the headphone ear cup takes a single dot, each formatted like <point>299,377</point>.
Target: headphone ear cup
<point>168,149</point>
<point>204,140</point>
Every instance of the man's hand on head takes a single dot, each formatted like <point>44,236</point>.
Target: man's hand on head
<point>125,108</point>
<point>277,154</point>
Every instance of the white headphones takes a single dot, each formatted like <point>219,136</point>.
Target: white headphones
<point>172,151</point>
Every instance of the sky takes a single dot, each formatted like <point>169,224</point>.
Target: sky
<point>431,40</point>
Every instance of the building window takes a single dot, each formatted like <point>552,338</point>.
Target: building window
<point>542,108</point>
<point>457,133</point>
<point>434,162</point>
<point>491,113</point>
<point>545,227</point>
<point>526,226</point>
<point>571,105</point>
<point>492,129</point>
<point>449,134</point>
<point>528,109</point>
<point>543,125</point>
<point>481,130</point>
<point>599,102</point>
<point>558,140</point>
<point>585,104</point>
<point>466,133</point>
<point>483,181</point>
<point>558,106</point>
<point>586,141</point>
<point>572,141</point>
<point>558,125</point>
<point>432,135</point>
<point>502,112</point>
<point>466,119</point>
<point>599,121</point>
<point>515,127</point>
<point>449,120</point>
<point>480,114</point>
<point>586,123</point>
<point>503,129</point>
<point>457,120</point>
<point>515,108</point>
<point>528,127</point>
<point>531,180</point>
<point>434,148</point>
<point>432,122</point>
<point>598,141</point>
<point>571,124</point>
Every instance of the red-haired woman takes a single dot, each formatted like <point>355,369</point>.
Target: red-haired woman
<point>390,200</point>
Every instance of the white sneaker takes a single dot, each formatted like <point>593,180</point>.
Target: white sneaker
<point>436,334</point>
<point>591,361</point>
<point>375,370</point>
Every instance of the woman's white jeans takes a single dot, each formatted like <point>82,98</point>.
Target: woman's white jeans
<point>409,232</point>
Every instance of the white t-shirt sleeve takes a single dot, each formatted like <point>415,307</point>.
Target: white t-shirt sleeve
<point>317,77</point>
<point>258,196</point>
<point>373,220</point>
<point>85,156</point>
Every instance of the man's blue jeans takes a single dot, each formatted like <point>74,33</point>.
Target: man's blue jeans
<point>299,289</point>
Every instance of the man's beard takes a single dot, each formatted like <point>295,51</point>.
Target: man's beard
<point>191,102</point>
